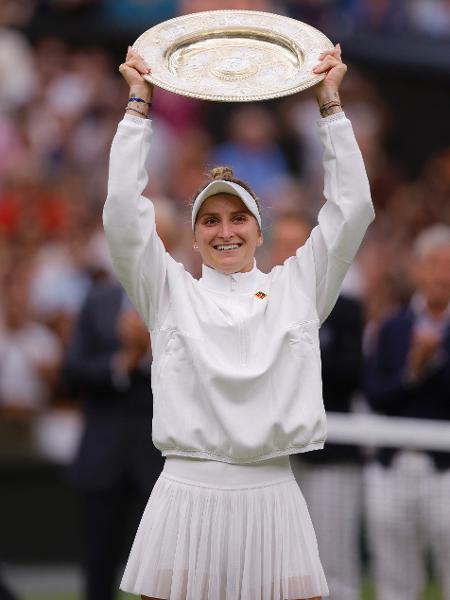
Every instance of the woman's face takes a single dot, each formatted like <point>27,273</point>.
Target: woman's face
<point>227,234</point>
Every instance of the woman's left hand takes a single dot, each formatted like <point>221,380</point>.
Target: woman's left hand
<point>331,64</point>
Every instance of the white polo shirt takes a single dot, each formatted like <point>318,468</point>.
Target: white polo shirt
<point>236,371</point>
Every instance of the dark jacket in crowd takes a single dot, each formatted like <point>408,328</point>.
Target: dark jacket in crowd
<point>342,364</point>
<point>392,392</point>
<point>117,437</point>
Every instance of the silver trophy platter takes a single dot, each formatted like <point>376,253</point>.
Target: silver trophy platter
<point>232,55</point>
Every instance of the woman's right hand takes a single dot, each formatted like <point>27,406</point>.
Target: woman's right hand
<point>132,70</point>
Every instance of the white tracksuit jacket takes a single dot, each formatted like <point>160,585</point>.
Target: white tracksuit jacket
<point>236,376</point>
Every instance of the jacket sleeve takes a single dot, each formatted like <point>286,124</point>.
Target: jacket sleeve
<point>325,258</point>
<point>138,255</point>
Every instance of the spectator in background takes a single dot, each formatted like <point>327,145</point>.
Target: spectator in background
<point>408,375</point>
<point>17,84</point>
<point>430,17</point>
<point>252,150</point>
<point>372,123</point>
<point>189,162</point>
<point>331,479</point>
<point>180,113</point>
<point>30,358</point>
<point>108,361</point>
<point>16,13</point>
<point>30,355</point>
<point>289,231</point>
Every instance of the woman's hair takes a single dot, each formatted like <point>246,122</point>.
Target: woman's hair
<point>226,174</point>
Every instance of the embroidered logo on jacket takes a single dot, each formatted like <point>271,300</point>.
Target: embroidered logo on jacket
<point>260,295</point>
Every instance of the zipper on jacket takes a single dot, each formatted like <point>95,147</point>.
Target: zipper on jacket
<point>244,345</point>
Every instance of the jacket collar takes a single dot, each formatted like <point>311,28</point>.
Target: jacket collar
<point>236,282</point>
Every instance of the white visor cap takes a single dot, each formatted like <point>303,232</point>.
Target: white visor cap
<point>221,186</point>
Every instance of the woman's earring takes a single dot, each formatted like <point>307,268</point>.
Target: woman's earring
<point>195,246</point>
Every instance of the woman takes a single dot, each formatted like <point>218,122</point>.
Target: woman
<point>236,366</point>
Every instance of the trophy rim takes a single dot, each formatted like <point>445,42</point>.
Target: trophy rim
<point>159,40</point>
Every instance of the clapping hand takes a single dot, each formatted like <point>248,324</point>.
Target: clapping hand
<point>425,344</point>
<point>134,340</point>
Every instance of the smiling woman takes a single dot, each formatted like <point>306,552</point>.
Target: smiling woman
<point>226,223</point>
<point>236,373</point>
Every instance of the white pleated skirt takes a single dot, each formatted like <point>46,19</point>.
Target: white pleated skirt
<point>220,531</point>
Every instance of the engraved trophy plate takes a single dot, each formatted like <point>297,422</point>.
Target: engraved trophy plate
<point>232,55</point>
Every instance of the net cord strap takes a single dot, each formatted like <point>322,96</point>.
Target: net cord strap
<point>396,432</point>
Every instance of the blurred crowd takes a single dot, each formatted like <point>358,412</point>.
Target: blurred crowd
<point>430,17</point>
<point>59,107</point>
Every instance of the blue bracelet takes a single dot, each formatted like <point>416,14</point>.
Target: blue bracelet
<point>137,99</point>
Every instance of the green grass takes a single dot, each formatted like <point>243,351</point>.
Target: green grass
<point>431,593</point>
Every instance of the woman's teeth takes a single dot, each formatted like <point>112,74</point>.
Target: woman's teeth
<point>227,247</point>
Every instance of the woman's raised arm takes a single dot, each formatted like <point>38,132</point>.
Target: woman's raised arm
<point>138,255</point>
<point>321,264</point>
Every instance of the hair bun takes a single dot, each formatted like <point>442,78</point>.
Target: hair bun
<point>221,173</point>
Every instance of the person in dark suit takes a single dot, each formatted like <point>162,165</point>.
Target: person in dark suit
<point>108,363</point>
<point>408,375</point>
<point>331,479</point>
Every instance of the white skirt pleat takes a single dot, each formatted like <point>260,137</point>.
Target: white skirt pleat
<point>222,540</point>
